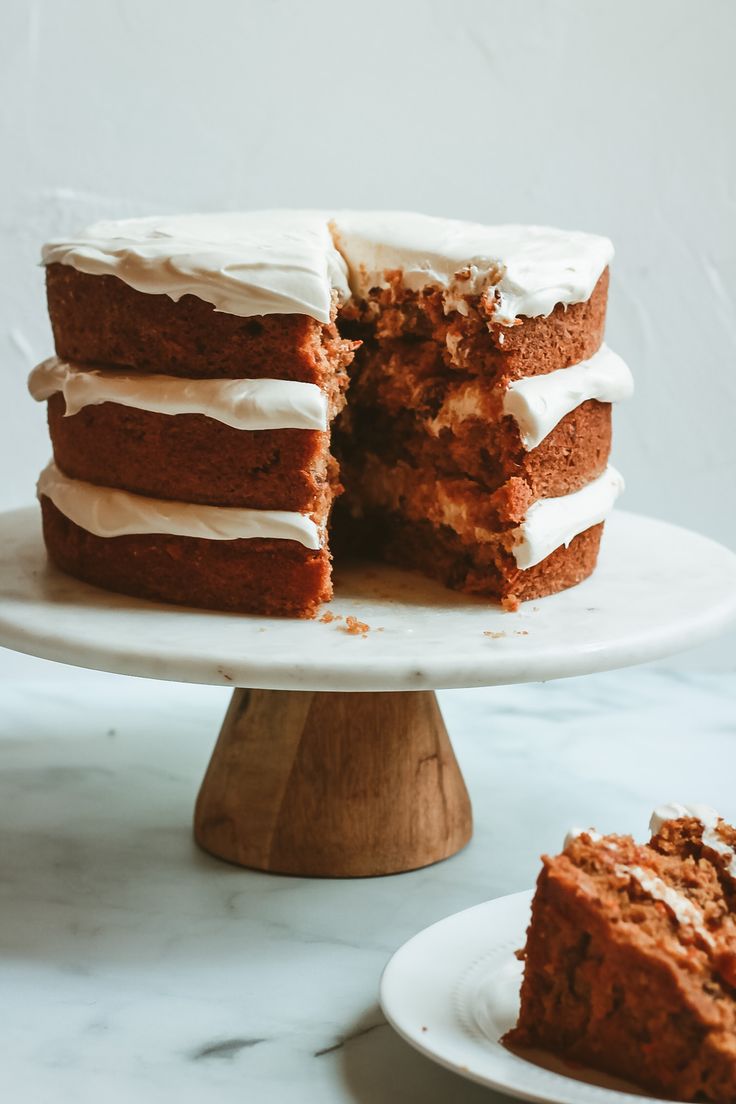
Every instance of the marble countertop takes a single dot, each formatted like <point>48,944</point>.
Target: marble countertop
<point>135,968</point>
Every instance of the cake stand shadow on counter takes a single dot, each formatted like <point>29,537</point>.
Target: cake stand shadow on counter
<point>335,760</point>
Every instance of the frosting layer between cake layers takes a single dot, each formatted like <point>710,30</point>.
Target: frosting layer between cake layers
<point>539,403</point>
<point>106,512</point>
<point>297,262</point>
<point>552,522</point>
<point>682,908</point>
<point>250,404</point>
<point>112,513</point>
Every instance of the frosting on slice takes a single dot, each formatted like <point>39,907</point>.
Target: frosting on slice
<point>529,268</point>
<point>672,810</point>
<point>682,908</point>
<point>552,522</point>
<point>575,833</point>
<point>112,513</point>
<point>241,403</point>
<point>593,836</point>
<point>709,820</point>
<point>257,262</point>
<point>539,403</point>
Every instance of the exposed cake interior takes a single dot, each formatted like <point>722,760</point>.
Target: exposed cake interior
<point>630,961</point>
<point>475,439</point>
<point>442,456</point>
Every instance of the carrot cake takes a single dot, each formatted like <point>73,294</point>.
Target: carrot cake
<point>630,959</point>
<point>219,380</point>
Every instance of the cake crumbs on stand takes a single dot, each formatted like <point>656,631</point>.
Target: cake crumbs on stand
<point>354,627</point>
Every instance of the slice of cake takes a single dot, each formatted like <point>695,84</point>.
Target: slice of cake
<point>197,405</point>
<point>630,959</point>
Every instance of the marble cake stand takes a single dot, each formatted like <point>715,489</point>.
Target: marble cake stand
<point>327,765</point>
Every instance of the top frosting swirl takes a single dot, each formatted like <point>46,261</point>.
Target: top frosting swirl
<point>301,262</point>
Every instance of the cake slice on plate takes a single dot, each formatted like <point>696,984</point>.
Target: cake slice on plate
<point>630,959</point>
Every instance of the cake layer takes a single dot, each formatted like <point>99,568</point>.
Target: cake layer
<point>486,448</point>
<point>528,529</point>
<point>472,287</point>
<point>191,458</point>
<point>522,270</point>
<point>269,577</point>
<point>285,262</point>
<point>106,512</point>
<point>243,263</point>
<point>539,403</point>
<point>485,569</point>
<point>101,320</point>
<point>486,451</point>
<point>407,405</point>
<point>243,404</point>
<point>477,344</point>
<point>401,375</point>
<point>550,523</point>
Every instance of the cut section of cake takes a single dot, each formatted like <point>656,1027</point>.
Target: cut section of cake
<point>202,366</point>
<point>630,958</point>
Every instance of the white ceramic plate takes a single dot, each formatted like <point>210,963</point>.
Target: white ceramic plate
<point>453,990</point>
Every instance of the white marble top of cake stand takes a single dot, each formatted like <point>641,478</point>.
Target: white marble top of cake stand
<point>657,589</point>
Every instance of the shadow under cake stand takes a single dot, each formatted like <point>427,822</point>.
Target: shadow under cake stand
<point>335,761</point>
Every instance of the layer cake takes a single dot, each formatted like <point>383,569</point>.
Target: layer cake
<point>219,380</point>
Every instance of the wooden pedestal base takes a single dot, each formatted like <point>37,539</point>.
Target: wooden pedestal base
<point>333,785</point>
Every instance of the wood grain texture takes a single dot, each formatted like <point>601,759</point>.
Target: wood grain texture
<point>333,784</point>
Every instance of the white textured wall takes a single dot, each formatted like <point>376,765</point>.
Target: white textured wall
<point>611,117</point>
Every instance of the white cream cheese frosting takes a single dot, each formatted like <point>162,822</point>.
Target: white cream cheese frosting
<point>529,268</point>
<point>111,513</point>
<point>553,522</point>
<point>286,262</point>
<point>672,810</point>
<point>549,523</point>
<point>683,909</point>
<point>709,820</point>
<point>257,262</point>
<point>251,404</point>
<point>575,833</point>
<point>539,403</point>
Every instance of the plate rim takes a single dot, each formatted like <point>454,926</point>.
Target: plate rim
<point>416,1043</point>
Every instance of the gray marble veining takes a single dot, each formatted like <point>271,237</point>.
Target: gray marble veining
<point>134,967</point>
